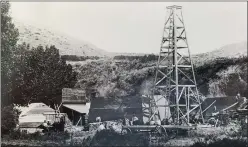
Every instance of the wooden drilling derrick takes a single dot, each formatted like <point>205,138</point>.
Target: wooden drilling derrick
<point>175,83</point>
<point>175,79</point>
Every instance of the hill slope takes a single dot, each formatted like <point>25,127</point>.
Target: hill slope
<point>218,73</point>
<point>228,51</point>
<point>67,45</point>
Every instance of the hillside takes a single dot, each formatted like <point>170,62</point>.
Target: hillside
<point>218,73</point>
<point>134,75</point>
<point>228,51</point>
<point>67,45</point>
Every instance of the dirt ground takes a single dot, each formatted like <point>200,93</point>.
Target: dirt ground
<point>77,136</point>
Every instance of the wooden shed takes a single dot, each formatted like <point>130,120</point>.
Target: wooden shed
<point>75,103</point>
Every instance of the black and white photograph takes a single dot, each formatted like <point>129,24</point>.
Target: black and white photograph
<point>168,74</point>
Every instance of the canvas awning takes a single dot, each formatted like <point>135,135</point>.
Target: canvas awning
<point>81,108</point>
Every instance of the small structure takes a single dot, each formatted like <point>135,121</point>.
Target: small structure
<point>33,116</point>
<point>76,104</point>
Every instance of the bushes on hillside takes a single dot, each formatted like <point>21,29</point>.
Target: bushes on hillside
<point>110,82</point>
<point>130,77</point>
<point>208,71</point>
<point>78,58</point>
<point>143,59</point>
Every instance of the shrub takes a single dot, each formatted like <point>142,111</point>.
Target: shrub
<point>9,120</point>
<point>111,138</point>
<point>222,143</point>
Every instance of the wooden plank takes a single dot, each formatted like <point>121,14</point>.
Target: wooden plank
<point>79,120</point>
<point>182,66</point>
<point>226,108</point>
<point>178,86</point>
<point>150,127</point>
<point>230,106</point>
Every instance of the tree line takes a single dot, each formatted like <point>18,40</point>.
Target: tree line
<point>78,58</point>
<point>143,59</point>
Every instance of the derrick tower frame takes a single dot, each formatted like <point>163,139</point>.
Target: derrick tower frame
<point>175,79</point>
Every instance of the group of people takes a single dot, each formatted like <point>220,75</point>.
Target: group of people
<point>46,125</point>
<point>56,126</point>
<point>134,120</point>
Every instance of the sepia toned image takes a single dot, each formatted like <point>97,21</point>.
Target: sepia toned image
<point>124,74</point>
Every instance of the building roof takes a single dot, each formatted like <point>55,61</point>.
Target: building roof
<point>34,108</point>
<point>39,108</point>
<point>81,108</point>
<point>70,95</point>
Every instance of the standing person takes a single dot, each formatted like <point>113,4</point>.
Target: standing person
<point>44,123</point>
<point>98,119</point>
<point>44,126</point>
<point>215,111</point>
<point>135,119</point>
<point>125,120</point>
<point>49,123</point>
<point>242,102</point>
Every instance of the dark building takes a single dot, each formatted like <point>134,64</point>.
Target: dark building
<point>115,108</point>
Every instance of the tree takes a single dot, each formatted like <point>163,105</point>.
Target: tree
<point>9,38</point>
<point>41,76</point>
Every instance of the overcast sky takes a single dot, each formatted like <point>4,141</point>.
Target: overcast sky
<point>137,26</point>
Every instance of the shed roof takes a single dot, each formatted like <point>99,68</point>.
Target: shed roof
<point>81,108</point>
<point>73,95</point>
<point>35,108</point>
